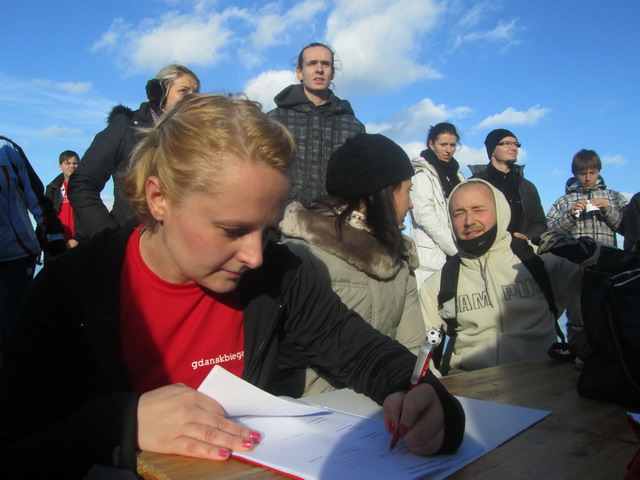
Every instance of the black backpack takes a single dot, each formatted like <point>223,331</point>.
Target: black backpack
<point>447,302</point>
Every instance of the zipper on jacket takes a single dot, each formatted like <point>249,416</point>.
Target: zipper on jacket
<point>256,360</point>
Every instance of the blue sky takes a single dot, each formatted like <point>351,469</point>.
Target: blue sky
<point>561,75</point>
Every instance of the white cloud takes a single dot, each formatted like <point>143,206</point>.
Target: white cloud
<point>378,41</point>
<point>55,131</point>
<point>110,38</point>
<point>267,85</point>
<point>504,32</point>
<point>616,160</point>
<point>471,15</point>
<point>181,38</point>
<point>466,155</point>
<point>195,40</point>
<point>511,116</point>
<point>414,121</point>
<point>74,88</point>
<point>412,149</point>
<point>275,28</point>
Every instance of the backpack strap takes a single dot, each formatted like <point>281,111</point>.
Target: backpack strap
<point>447,308</point>
<point>523,250</point>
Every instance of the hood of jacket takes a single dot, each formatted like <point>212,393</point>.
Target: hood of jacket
<point>503,217</point>
<point>143,112</point>
<point>357,247</point>
<point>572,185</point>
<point>293,97</point>
<point>119,110</point>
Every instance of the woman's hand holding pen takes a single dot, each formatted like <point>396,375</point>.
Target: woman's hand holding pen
<point>418,417</point>
<point>177,419</point>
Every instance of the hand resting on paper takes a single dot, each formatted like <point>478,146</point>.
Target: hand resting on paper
<point>419,418</point>
<point>177,419</point>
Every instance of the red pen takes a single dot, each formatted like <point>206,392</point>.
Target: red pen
<point>434,337</point>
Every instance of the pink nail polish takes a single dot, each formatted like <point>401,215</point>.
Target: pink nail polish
<point>402,430</point>
<point>391,427</point>
<point>247,443</point>
<point>255,436</point>
<point>224,453</point>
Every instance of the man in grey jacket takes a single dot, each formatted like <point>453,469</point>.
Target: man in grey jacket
<point>319,121</point>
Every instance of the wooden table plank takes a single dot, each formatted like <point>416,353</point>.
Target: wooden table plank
<point>582,438</point>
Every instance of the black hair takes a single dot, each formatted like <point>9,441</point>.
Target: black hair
<point>436,130</point>
<point>381,216</point>
<point>439,129</point>
<point>316,44</point>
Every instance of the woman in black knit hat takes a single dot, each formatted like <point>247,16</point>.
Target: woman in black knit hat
<point>353,238</point>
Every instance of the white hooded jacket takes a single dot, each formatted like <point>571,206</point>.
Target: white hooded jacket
<point>430,227</point>
<point>502,313</point>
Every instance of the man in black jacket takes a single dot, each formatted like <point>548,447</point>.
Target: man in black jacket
<point>527,216</point>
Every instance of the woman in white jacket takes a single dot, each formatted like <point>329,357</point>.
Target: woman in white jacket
<point>436,175</point>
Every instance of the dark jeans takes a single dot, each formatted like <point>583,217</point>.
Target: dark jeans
<point>15,277</point>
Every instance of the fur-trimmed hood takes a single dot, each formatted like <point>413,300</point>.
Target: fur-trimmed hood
<point>119,110</point>
<point>357,247</point>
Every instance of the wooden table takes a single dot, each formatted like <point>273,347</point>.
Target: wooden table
<point>582,438</point>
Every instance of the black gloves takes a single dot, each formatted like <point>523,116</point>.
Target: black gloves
<point>576,250</point>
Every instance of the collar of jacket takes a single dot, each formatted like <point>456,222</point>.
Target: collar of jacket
<point>293,97</point>
<point>357,247</point>
<point>57,182</point>
<point>479,170</point>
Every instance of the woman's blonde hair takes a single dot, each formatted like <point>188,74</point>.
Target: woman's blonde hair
<point>194,141</point>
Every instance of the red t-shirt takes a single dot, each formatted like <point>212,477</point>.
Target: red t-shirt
<point>65,214</point>
<point>175,332</point>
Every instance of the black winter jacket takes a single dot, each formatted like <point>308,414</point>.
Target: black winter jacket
<point>318,131</point>
<point>534,221</point>
<point>64,391</point>
<point>107,156</point>
<point>54,193</point>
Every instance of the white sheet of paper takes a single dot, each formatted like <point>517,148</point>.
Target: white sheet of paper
<point>489,424</point>
<point>238,397</point>
<point>341,446</point>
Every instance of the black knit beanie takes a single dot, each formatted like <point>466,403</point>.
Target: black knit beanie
<point>495,137</point>
<point>365,164</point>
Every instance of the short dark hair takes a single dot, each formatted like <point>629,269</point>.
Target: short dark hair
<point>436,130</point>
<point>584,160</point>
<point>316,44</point>
<point>66,155</point>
